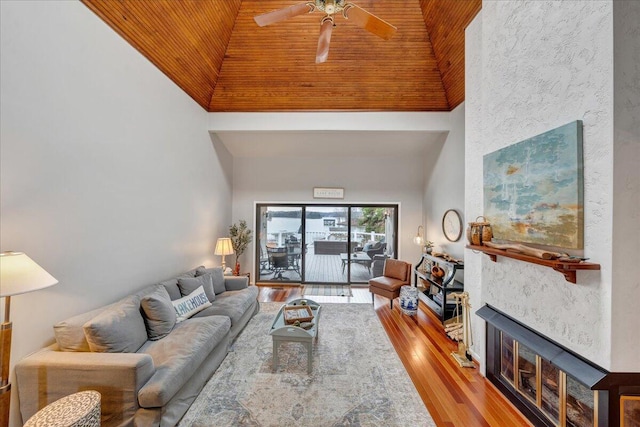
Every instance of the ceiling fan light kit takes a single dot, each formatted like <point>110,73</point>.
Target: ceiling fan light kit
<point>350,12</point>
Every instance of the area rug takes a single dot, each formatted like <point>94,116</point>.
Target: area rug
<point>357,378</point>
<point>327,290</point>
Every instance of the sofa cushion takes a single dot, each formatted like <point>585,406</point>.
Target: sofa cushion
<point>69,333</point>
<point>217,276</point>
<point>172,284</point>
<point>179,355</point>
<point>159,314</point>
<point>172,288</point>
<point>192,273</point>
<point>118,329</point>
<point>232,304</point>
<point>236,283</point>
<point>190,284</point>
<point>191,304</point>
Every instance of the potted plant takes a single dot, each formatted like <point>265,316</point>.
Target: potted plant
<point>428,246</point>
<point>240,238</point>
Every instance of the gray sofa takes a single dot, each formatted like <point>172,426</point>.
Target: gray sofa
<point>148,368</point>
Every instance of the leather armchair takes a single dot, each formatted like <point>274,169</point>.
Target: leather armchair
<point>395,275</point>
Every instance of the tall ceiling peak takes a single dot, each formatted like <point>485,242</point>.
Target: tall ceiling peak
<point>216,53</point>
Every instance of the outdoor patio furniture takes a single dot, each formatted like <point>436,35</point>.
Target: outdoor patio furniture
<point>356,258</point>
<point>377,264</point>
<point>376,249</point>
<point>278,261</point>
<point>331,247</point>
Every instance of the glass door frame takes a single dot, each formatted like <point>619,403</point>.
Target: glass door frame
<point>303,206</point>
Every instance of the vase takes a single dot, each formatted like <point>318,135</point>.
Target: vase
<point>428,250</point>
<point>236,270</point>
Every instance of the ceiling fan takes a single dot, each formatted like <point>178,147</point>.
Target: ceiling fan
<point>350,11</point>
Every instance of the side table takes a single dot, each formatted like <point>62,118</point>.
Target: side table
<point>76,410</point>
<point>409,300</point>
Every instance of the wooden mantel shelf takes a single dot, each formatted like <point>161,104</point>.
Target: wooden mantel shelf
<point>568,269</point>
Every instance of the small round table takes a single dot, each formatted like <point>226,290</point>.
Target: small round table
<point>77,410</point>
<point>409,300</point>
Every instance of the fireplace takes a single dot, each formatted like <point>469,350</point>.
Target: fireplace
<point>551,385</point>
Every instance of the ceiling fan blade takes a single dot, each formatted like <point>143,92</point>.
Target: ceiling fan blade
<point>282,14</point>
<point>326,27</point>
<point>368,21</point>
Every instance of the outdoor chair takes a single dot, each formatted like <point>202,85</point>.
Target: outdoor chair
<point>265,262</point>
<point>395,275</point>
<point>278,261</point>
<point>376,249</point>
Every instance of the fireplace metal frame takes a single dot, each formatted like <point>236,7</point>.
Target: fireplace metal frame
<point>608,386</point>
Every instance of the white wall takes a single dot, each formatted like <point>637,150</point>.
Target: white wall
<point>445,185</point>
<point>625,347</point>
<point>536,65</point>
<point>474,143</point>
<point>365,180</point>
<point>109,179</point>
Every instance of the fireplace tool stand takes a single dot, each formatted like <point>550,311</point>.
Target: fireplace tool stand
<point>463,335</point>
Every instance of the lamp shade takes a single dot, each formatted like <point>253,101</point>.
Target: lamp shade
<point>19,274</point>
<point>223,246</point>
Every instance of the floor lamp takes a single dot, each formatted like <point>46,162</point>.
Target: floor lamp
<point>223,247</point>
<point>19,274</point>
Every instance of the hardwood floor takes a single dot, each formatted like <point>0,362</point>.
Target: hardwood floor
<point>454,396</point>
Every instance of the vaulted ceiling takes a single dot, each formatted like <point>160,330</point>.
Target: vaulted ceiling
<point>217,54</point>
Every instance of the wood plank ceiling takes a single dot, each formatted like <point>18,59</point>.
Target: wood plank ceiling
<point>215,52</point>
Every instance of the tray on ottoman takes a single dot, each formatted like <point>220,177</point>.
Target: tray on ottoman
<point>301,313</point>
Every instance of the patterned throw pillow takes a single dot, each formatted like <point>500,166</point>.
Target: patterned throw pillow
<point>193,303</point>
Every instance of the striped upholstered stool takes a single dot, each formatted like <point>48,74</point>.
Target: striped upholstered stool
<point>77,410</point>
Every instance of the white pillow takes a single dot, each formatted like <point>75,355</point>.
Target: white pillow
<point>191,304</point>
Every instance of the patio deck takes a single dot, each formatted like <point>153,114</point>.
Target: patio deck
<point>321,269</point>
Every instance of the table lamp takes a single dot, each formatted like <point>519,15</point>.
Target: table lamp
<point>19,274</point>
<point>223,247</point>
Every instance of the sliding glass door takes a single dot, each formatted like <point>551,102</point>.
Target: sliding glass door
<point>279,243</point>
<point>328,244</point>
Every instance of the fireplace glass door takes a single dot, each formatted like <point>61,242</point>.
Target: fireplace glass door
<point>550,391</point>
<point>527,373</point>
<point>564,401</point>
<point>580,404</point>
<point>506,357</point>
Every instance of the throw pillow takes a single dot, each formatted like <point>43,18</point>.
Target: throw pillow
<point>217,275</point>
<point>188,285</point>
<point>193,303</point>
<point>118,329</point>
<point>159,315</point>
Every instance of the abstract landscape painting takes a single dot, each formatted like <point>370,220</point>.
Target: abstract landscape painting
<point>533,190</point>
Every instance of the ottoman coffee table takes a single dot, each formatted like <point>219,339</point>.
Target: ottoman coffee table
<point>282,330</point>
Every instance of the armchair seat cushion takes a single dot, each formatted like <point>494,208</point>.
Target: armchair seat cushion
<point>387,283</point>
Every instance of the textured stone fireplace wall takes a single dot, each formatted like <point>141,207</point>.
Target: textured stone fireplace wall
<point>533,66</point>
